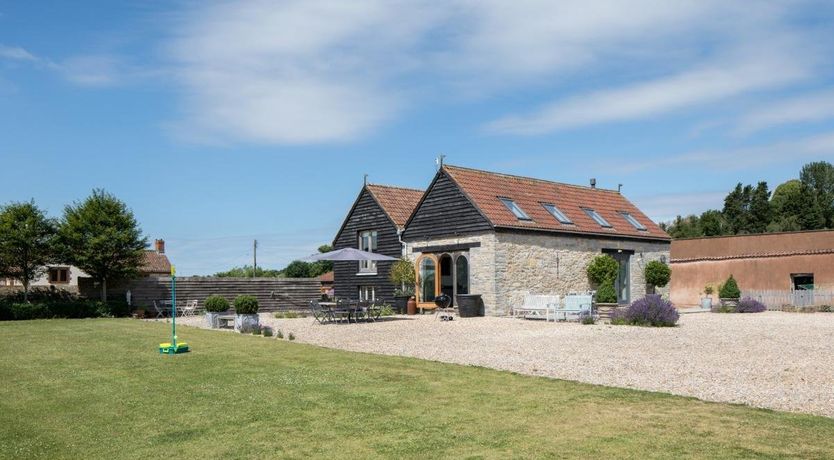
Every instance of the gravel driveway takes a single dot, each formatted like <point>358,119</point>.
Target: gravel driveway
<point>774,360</point>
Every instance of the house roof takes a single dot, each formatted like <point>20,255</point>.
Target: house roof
<point>484,188</point>
<point>397,202</point>
<point>155,263</point>
<point>326,277</point>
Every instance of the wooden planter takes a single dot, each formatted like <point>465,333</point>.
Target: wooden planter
<point>727,303</point>
<point>605,310</point>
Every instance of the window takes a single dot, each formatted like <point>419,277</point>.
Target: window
<point>597,218</point>
<point>803,281</point>
<point>367,242</point>
<point>367,293</point>
<point>634,222</point>
<point>555,212</point>
<point>514,208</point>
<point>461,275</point>
<point>58,275</point>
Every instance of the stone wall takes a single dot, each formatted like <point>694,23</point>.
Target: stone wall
<point>556,264</point>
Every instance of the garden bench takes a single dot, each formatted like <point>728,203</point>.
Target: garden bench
<point>574,305</point>
<point>223,320</point>
<point>538,306</point>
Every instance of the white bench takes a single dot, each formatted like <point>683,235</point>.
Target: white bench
<point>575,304</point>
<point>538,306</point>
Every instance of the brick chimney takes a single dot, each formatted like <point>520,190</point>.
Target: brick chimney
<point>159,245</point>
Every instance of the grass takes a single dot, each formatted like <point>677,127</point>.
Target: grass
<point>99,389</point>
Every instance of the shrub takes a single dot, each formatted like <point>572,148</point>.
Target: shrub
<point>291,336</point>
<point>246,305</point>
<point>386,311</point>
<point>748,305</point>
<point>651,310</point>
<point>603,268</point>
<point>403,276</point>
<point>267,331</point>
<point>256,330</point>
<point>657,273</point>
<point>729,290</point>
<point>825,309</point>
<point>61,309</point>
<point>585,317</point>
<point>606,292</point>
<point>709,290</point>
<point>216,304</point>
<point>279,334</point>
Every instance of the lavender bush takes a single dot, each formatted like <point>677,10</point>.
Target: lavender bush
<point>748,305</point>
<point>651,310</point>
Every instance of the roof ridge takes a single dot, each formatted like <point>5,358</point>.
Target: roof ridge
<point>516,176</point>
<point>397,187</point>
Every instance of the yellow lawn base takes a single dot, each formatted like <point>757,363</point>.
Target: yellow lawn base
<point>168,349</point>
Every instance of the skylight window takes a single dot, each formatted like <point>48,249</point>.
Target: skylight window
<point>597,218</point>
<point>634,222</point>
<point>555,212</point>
<point>515,209</point>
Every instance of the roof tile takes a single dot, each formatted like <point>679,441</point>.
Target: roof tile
<point>397,202</point>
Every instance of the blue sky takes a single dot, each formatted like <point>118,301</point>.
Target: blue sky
<point>222,122</point>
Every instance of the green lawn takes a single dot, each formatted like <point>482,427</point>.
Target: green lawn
<point>99,389</point>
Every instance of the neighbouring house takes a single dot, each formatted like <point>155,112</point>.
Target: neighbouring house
<point>503,236</point>
<point>326,280</point>
<point>73,279</point>
<point>788,261</point>
<point>374,223</point>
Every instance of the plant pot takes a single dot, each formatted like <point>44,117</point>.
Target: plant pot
<point>246,323</point>
<point>212,320</point>
<point>401,303</point>
<point>470,305</point>
<point>605,310</point>
<point>706,303</point>
<point>411,306</point>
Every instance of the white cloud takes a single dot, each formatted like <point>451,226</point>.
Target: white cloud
<point>665,207</point>
<point>741,72</point>
<point>807,108</point>
<point>16,53</point>
<point>820,146</point>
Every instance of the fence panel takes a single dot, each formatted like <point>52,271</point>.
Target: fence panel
<point>774,299</point>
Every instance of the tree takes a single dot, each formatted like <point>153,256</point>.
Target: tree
<point>297,269</point>
<point>26,243</point>
<point>247,271</point>
<point>322,266</point>
<point>657,273</point>
<point>819,176</point>
<point>603,268</point>
<point>712,223</point>
<point>760,213</point>
<point>684,227</point>
<point>403,275</point>
<point>100,235</point>
<point>737,209</point>
<point>811,215</point>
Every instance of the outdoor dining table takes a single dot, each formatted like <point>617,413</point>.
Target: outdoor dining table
<point>351,309</point>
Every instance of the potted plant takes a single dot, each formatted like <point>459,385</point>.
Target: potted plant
<point>403,275</point>
<point>657,275</point>
<point>246,313</point>
<point>602,273</point>
<point>729,293</point>
<point>706,301</point>
<point>215,306</point>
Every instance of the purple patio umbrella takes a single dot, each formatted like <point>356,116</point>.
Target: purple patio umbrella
<point>348,254</point>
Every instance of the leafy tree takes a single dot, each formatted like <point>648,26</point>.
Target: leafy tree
<point>729,290</point>
<point>606,293</point>
<point>684,227</point>
<point>811,216</point>
<point>712,223</point>
<point>323,266</point>
<point>819,177</point>
<point>297,269</point>
<point>403,275</point>
<point>760,213</point>
<point>100,235</point>
<point>26,243</point>
<point>657,273</point>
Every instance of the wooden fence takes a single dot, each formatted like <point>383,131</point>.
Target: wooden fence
<point>774,300</point>
<point>273,294</point>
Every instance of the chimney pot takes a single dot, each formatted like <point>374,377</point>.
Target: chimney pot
<point>159,245</point>
<point>593,182</point>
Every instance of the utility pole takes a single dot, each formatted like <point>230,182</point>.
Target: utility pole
<point>254,259</point>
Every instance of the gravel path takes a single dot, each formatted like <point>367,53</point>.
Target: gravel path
<point>774,360</point>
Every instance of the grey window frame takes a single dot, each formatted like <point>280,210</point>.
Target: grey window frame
<point>597,217</point>
<point>513,207</point>
<point>633,221</point>
<point>554,211</point>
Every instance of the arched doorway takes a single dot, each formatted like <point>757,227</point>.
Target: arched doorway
<point>446,273</point>
<point>447,276</point>
<point>427,280</point>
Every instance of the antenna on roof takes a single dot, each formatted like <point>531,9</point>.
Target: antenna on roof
<point>366,179</point>
<point>619,188</point>
<point>439,160</point>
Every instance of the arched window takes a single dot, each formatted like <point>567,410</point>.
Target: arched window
<point>426,279</point>
<point>461,275</point>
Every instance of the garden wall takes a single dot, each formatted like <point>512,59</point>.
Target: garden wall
<point>273,294</point>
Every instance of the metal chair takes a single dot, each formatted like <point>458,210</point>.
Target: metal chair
<point>321,314</point>
<point>190,309</point>
<point>160,311</point>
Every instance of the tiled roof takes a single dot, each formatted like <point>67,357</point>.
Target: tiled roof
<point>326,277</point>
<point>484,188</point>
<point>397,202</point>
<point>155,263</point>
